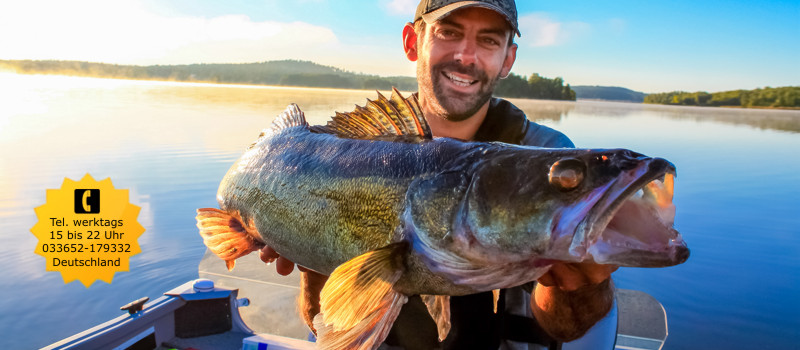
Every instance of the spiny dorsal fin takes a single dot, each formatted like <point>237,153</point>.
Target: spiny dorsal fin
<point>394,117</point>
<point>410,107</point>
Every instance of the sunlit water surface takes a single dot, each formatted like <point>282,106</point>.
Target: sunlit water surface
<point>737,194</point>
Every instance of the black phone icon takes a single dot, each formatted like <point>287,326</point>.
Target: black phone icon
<point>87,201</point>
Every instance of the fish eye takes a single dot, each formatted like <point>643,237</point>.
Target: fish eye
<point>567,174</point>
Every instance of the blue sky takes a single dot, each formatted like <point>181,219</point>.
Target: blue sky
<point>648,46</point>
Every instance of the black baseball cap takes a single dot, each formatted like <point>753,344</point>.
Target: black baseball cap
<point>433,10</point>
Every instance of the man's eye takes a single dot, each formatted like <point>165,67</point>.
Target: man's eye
<point>491,41</point>
<point>447,33</point>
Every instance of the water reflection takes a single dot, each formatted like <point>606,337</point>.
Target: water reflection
<point>171,143</point>
<point>318,104</point>
<point>542,110</point>
<point>765,119</point>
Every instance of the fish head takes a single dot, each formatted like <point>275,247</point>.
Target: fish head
<point>632,222</point>
<point>605,206</point>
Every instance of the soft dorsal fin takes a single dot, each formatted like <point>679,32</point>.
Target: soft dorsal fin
<point>290,117</point>
<point>394,117</point>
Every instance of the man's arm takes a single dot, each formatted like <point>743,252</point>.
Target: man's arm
<point>571,298</point>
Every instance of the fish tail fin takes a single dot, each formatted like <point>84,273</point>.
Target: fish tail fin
<point>226,235</point>
<point>358,302</point>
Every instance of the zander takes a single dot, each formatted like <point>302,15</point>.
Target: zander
<point>374,201</point>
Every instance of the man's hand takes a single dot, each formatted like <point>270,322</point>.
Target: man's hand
<point>311,284</point>
<point>571,298</point>
<point>283,266</point>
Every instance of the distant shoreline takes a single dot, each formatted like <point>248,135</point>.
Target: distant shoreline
<point>305,74</point>
<point>758,107</point>
<point>233,84</point>
<point>230,84</point>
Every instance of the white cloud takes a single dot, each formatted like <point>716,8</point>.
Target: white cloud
<point>123,32</point>
<point>400,7</point>
<point>538,30</point>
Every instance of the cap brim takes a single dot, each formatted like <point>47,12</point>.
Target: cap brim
<point>444,11</point>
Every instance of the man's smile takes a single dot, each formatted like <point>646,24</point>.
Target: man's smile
<point>459,90</point>
<point>461,80</point>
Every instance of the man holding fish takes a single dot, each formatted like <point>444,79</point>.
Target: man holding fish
<point>462,48</point>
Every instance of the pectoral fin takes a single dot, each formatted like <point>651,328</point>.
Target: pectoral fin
<point>439,308</point>
<point>358,304</point>
<point>226,235</point>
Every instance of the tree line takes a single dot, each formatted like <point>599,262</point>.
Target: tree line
<point>309,74</point>
<point>781,97</point>
<point>608,93</point>
<point>285,73</point>
<point>536,86</point>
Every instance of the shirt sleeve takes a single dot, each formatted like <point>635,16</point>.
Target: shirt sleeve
<point>505,122</point>
<point>543,136</point>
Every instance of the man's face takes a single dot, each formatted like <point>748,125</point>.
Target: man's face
<point>460,59</point>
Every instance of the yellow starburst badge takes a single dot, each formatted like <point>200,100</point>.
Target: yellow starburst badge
<point>87,230</point>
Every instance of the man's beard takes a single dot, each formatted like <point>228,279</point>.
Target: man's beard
<point>454,106</point>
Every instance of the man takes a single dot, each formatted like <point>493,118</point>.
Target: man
<point>462,48</point>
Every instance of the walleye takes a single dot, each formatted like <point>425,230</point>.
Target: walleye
<point>374,201</point>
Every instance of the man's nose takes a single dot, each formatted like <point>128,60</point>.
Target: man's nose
<point>466,52</point>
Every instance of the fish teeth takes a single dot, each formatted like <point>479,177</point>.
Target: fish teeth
<point>669,185</point>
<point>658,192</point>
<point>658,195</point>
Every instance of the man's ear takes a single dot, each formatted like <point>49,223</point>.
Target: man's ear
<point>410,41</point>
<point>511,56</point>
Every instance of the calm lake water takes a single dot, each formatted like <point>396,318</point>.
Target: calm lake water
<point>737,196</point>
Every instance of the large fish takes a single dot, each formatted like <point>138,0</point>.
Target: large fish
<point>387,211</point>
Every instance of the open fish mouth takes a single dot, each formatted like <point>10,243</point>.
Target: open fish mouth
<point>633,225</point>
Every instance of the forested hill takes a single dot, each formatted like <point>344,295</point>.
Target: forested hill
<point>286,72</point>
<point>310,74</point>
<point>611,93</point>
<point>768,97</point>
